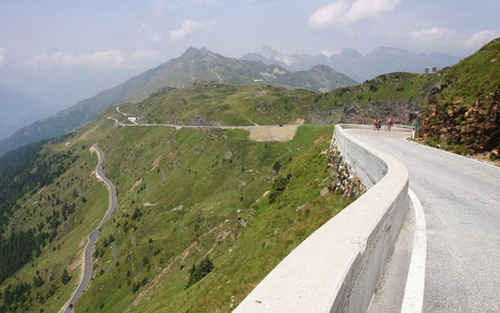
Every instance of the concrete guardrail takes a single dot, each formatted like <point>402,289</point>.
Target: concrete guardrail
<point>337,268</point>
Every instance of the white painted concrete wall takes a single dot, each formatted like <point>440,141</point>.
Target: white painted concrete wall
<point>337,268</point>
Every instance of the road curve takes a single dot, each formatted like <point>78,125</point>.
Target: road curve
<point>461,201</point>
<point>94,235</point>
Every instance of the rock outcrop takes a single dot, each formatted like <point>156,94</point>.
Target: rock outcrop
<point>476,127</point>
<point>342,178</point>
<point>462,113</point>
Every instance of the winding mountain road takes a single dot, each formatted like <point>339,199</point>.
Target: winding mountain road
<point>94,235</point>
<point>461,201</point>
<point>262,133</point>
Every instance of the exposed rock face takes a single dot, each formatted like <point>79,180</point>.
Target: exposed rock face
<point>462,111</point>
<point>359,114</point>
<point>396,94</point>
<point>475,127</point>
<point>341,176</point>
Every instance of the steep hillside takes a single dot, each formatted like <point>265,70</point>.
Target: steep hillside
<point>204,214</point>
<point>193,65</point>
<point>398,94</point>
<point>463,111</point>
<point>207,103</point>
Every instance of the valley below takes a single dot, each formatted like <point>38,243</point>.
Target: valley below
<point>186,196</point>
<point>182,188</point>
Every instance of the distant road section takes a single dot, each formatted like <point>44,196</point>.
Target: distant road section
<point>461,201</point>
<point>259,133</point>
<point>94,235</point>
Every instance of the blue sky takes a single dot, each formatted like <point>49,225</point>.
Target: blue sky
<point>80,48</point>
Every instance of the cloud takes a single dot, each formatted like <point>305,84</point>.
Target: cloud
<point>188,27</point>
<point>2,56</point>
<point>146,53</point>
<point>362,9</point>
<point>330,53</point>
<point>162,7</point>
<point>107,59</point>
<point>98,59</point>
<point>480,38</point>
<point>449,39</point>
<point>159,7</point>
<point>430,34</point>
<point>343,12</point>
<point>152,35</point>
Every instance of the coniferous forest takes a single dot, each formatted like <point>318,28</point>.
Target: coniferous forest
<point>22,172</point>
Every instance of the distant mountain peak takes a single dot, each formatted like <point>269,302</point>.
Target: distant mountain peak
<point>190,52</point>
<point>322,67</point>
<point>195,53</point>
<point>351,52</point>
<point>270,52</point>
<point>391,51</point>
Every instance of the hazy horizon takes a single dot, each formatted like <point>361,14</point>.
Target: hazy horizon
<point>60,53</point>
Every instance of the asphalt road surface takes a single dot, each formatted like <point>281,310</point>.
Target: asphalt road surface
<point>461,201</point>
<point>94,235</point>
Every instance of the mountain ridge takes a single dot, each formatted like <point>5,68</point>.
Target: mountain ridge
<point>193,65</point>
<point>360,67</point>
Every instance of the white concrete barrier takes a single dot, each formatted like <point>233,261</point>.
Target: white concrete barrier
<point>337,268</point>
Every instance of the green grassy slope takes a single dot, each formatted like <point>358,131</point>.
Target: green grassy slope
<point>199,194</point>
<point>203,178</point>
<point>463,111</point>
<point>214,103</point>
<point>62,211</point>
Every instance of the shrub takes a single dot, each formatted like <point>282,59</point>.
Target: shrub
<point>279,186</point>
<point>198,272</point>
<point>65,278</point>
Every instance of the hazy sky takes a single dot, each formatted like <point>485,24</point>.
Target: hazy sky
<point>61,50</point>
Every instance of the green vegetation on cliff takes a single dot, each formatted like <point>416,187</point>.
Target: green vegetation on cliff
<point>463,110</point>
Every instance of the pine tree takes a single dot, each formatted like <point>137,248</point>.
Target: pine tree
<point>65,278</point>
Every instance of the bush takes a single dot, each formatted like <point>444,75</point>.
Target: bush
<point>277,167</point>
<point>279,186</point>
<point>65,278</point>
<point>197,273</point>
<point>431,141</point>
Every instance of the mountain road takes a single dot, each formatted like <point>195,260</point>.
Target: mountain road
<point>87,264</point>
<point>461,201</point>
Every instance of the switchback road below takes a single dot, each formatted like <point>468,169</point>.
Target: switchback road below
<point>86,274</point>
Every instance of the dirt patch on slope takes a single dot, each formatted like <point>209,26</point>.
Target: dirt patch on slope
<point>136,184</point>
<point>272,133</point>
<point>155,163</point>
<point>86,135</point>
<point>76,262</point>
<point>180,259</point>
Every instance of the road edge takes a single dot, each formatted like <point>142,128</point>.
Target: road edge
<point>413,299</point>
